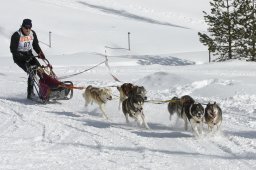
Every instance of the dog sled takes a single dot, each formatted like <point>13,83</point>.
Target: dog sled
<point>46,85</point>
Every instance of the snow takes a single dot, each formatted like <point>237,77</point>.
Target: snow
<point>166,57</point>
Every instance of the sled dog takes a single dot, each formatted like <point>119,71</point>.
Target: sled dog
<point>174,106</point>
<point>189,110</point>
<point>127,89</point>
<point>99,96</point>
<point>133,107</point>
<point>213,116</point>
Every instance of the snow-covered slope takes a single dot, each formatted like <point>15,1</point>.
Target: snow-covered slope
<point>166,58</point>
<point>79,26</point>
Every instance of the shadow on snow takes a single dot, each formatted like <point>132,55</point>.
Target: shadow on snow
<point>126,14</point>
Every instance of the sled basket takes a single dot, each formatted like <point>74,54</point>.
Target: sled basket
<point>47,86</point>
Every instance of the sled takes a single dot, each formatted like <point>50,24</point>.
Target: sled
<point>47,86</point>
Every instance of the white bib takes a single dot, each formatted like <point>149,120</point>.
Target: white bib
<point>25,42</point>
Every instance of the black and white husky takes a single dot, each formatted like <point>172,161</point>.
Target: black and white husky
<point>133,107</point>
<point>128,89</point>
<point>189,110</point>
<point>213,116</point>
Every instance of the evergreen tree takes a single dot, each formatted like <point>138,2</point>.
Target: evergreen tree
<point>253,32</point>
<point>207,41</point>
<point>245,26</point>
<point>221,28</point>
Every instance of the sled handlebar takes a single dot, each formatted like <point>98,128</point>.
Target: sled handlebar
<point>47,63</point>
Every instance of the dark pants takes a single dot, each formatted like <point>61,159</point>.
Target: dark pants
<point>25,62</point>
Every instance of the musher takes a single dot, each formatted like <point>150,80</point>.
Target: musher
<point>22,43</point>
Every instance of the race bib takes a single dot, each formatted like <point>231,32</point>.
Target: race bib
<point>25,42</point>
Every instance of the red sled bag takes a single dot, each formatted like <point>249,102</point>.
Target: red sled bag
<point>46,84</point>
<point>51,88</point>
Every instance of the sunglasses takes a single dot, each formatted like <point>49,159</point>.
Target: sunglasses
<point>27,27</point>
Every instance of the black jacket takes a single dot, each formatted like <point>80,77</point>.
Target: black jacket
<point>15,43</point>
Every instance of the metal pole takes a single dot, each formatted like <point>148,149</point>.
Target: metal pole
<point>50,39</point>
<point>129,46</point>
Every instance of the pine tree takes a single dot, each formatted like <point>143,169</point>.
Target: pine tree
<point>245,26</point>
<point>253,37</point>
<point>207,41</point>
<point>221,28</point>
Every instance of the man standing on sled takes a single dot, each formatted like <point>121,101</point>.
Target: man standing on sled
<point>22,43</point>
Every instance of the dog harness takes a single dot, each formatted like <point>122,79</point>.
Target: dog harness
<point>25,41</point>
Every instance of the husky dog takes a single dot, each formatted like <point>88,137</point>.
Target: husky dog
<point>213,116</point>
<point>187,109</point>
<point>133,107</point>
<point>128,89</point>
<point>99,96</point>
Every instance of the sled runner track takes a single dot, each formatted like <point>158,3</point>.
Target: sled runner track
<point>94,142</point>
<point>12,121</point>
<point>97,140</point>
<point>11,108</point>
<point>233,150</point>
<point>222,151</point>
<point>7,125</point>
<point>237,151</point>
<point>28,120</point>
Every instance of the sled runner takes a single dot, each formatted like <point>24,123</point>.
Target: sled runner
<point>47,86</point>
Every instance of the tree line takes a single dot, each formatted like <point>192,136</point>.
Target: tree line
<point>231,30</point>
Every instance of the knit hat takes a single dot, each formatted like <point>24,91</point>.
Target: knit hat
<point>26,22</point>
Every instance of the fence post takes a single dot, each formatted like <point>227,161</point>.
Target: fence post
<point>129,46</point>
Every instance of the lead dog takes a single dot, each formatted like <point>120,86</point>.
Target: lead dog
<point>99,96</point>
<point>128,89</point>
<point>189,110</point>
<point>133,107</point>
<point>213,116</point>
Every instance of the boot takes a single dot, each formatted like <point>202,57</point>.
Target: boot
<point>30,89</point>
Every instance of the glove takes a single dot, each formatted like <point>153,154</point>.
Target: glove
<point>41,55</point>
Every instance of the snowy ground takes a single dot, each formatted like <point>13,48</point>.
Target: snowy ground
<point>67,135</point>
